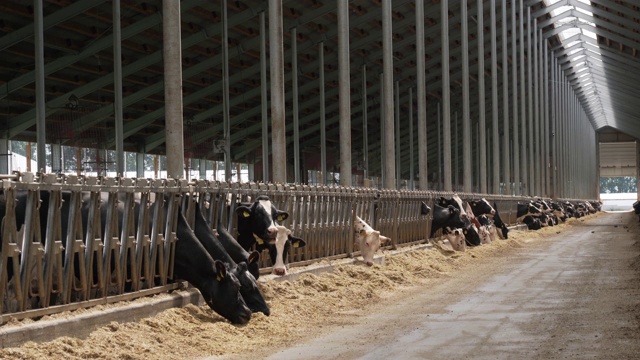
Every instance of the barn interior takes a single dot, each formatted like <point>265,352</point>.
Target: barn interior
<point>593,44</point>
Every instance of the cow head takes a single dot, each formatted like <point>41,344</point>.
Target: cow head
<point>481,207</point>
<point>484,233</point>
<point>369,240</point>
<point>279,249</point>
<point>260,219</point>
<point>222,294</point>
<point>456,202</point>
<point>455,238</point>
<point>471,235</point>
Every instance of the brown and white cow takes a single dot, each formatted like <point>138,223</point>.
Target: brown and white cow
<point>369,240</point>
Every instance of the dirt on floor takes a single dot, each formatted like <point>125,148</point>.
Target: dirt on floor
<point>300,309</point>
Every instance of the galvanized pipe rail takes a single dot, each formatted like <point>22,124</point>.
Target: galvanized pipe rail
<point>94,251</point>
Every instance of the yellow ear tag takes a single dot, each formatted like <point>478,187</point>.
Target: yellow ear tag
<point>465,232</point>
<point>246,214</point>
<point>296,244</point>
<point>219,278</point>
<point>259,241</point>
<point>280,218</point>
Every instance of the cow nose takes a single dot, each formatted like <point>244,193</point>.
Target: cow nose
<point>280,271</point>
<point>493,212</point>
<point>272,232</point>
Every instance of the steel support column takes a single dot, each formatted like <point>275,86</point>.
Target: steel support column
<point>524,169</point>
<point>423,171</point>
<point>276,64</point>
<point>140,165</point>
<point>540,153</point>
<point>495,140</point>
<point>446,106</point>
<point>530,91</point>
<point>344,95</point>
<point>4,154</point>
<point>323,131</point>
<point>482,136</point>
<point>117,88</point>
<point>514,96</point>
<point>294,95</point>
<point>536,115</point>
<point>545,122</point>
<point>172,57</point>
<point>411,185</point>
<point>397,135</point>
<point>467,179</point>
<point>38,40</point>
<point>506,131</point>
<point>387,120</point>
<point>365,129</point>
<point>264,101</point>
<point>225,93</point>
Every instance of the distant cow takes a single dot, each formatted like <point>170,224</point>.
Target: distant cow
<point>369,240</point>
<point>533,223</point>
<point>450,217</point>
<point>497,220</point>
<point>257,224</point>
<point>636,208</point>
<point>528,209</point>
<point>489,225</point>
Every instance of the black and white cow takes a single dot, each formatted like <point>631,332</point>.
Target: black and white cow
<point>450,217</point>
<point>528,209</point>
<point>248,286</point>
<point>454,201</point>
<point>257,225</point>
<point>497,220</point>
<point>218,286</point>
<point>481,207</point>
<point>237,252</point>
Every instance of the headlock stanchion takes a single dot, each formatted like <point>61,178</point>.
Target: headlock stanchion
<point>71,242</point>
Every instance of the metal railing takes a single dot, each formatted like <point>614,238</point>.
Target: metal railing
<point>90,240</point>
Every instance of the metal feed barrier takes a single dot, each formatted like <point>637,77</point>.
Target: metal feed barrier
<point>93,263</point>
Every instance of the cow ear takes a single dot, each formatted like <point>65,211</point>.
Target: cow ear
<point>384,239</point>
<point>297,242</point>
<point>282,216</point>
<point>253,257</point>
<point>221,270</point>
<point>243,211</point>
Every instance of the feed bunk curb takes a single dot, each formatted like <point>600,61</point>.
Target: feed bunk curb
<point>81,326</point>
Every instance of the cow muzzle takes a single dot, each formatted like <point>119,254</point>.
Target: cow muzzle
<point>279,271</point>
